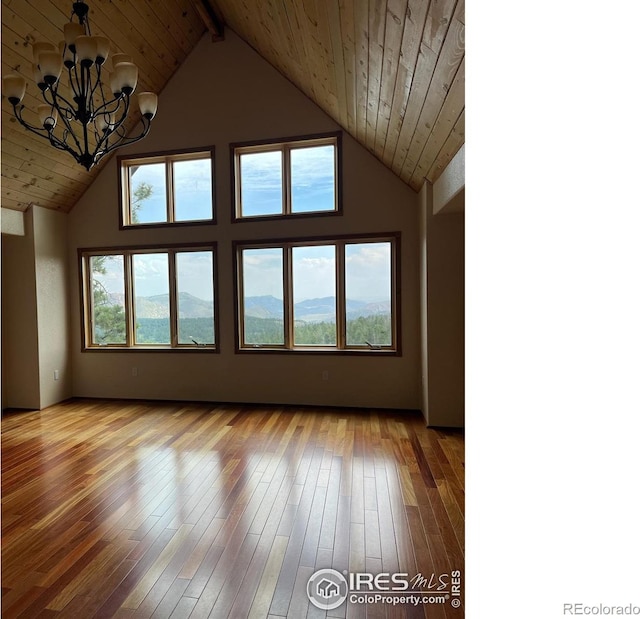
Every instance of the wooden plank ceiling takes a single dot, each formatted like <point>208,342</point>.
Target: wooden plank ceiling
<point>390,72</point>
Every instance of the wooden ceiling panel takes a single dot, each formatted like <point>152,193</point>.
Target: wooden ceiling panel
<point>390,72</point>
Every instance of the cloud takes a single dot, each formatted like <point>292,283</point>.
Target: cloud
<point>368,271</point>
<point>195,273</point>
<point>151,274</point>
<point>312,180</point>
<point>314,272</point>
<point>262,272</point>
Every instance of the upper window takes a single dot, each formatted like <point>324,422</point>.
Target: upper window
<point>289,177</point>
<point>149,297</point>
<point>339,294</point>
<point>168,188</point>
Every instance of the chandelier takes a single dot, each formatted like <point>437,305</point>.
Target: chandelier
<point>83,118</point>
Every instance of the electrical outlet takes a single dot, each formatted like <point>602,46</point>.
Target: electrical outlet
<point>325,375</point>
<point>56,375</point>
<point>134,371</point>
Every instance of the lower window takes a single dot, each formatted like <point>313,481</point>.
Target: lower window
<point>320,295</point>
<point>155,298</point>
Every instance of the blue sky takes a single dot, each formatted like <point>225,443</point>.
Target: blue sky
<point>368,269</point>
<point>192,183</point>
<point>194,273</point>
<point>312,185</point>
<point>368,272</point>
<point>312,181</point>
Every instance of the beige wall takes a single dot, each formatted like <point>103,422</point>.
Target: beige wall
<point>50,244</point>
<point>35,334</point>
<point>20,371</point>
<point>424,335</point>
<point>449,188</point>
<point>224,93</point>
<point>442,278</point>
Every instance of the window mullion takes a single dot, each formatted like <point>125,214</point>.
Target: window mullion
<point>341,309</point>
<point>125,179</point>
<point>288,296</point>
<point>170,196</point>
<point>87,279</point>
<point>286,180</point>
<point>173,299</point>
<point>129,295</point>
<point>240,295</point>
<point>395,288</point>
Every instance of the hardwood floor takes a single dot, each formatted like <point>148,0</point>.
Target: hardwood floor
<point>140,509</point>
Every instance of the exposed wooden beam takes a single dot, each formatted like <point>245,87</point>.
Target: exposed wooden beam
<point>209,16</point>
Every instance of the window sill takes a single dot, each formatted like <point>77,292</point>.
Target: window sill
<point>169,224</point>
<point>324,350</point>
<point>164,349</point>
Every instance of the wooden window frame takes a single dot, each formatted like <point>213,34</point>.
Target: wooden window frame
<point>285,146</point>
<point>341,347</point>
<point>168,158</point>
<point>86,300</point>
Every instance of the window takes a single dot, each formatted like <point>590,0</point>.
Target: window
<point>149,298</point>
<point>330,295</point>
<point>287,178</point>
<point>169,188</point>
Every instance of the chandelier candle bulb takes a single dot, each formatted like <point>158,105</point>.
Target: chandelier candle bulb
<point>92,122</point>
<point>87,50</point>
<point>14,87</point>
<point>71,32</point>
<point>38,77</point>
<point>51,66</point>
<point>48,117</point>
<point>127,74</point>
<point>148,103</point>
<point>103,49</point>
<point>116,85</point>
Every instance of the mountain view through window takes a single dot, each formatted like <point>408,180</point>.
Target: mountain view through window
<point>366,309</point>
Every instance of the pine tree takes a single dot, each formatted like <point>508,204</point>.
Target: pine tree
<point>109,321</point>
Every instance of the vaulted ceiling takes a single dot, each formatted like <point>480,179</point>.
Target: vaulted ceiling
<point>390,72</point>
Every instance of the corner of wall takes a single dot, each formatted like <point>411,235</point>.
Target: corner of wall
<point>424,198</point>
<point>444,279</point>
<point>20,384</point>
<point>52,283</point>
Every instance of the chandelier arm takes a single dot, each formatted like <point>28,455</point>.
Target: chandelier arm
<point>82,99</point>
<point>54,101</point>
<point>125,140</point>
<point>116,125</point>
<point>98,82</point>
<point>73,79</point>
<point>42,132</point>
<point>115,129</point>
<point>104,108</point>
<point>64,119</point>
<point>53,140</point>
<point>104,98</point>
<point>85,133</point>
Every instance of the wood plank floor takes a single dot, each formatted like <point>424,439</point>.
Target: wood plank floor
<point>140,509</point>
